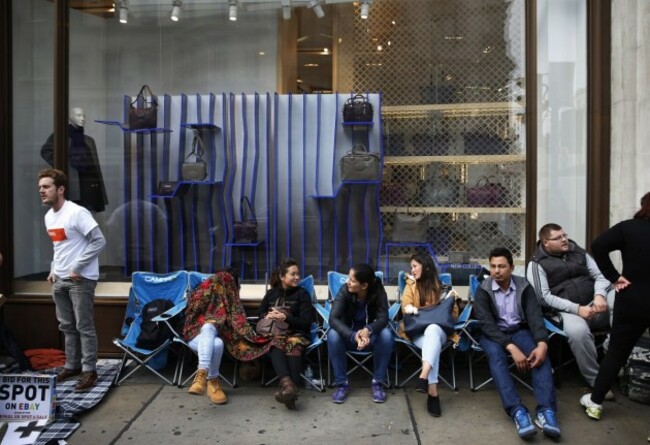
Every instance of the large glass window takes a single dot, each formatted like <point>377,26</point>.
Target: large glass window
<point>33,96</point>
<point>562,111</point>
<point>446,80</point>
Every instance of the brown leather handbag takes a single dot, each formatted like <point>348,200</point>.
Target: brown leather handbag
<point>267,326</point>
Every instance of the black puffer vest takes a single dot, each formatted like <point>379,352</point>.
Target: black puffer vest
<point>567,274</point>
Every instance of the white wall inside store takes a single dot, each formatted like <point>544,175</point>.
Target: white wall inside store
<point>199,54</point>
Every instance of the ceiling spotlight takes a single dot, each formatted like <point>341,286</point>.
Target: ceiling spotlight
<point>124,11</point>
<point>232,10</point>
<point>315,6</point>
<point>365,8</point>
<point>286,9</point>
<point>176,10</point>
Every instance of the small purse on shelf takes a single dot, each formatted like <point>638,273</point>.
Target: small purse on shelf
<point>245,229</point>
<point>487,193</point>
<point>166,188</point>
<point>195,171</point>
<point>440,314</point>
<point>357,109</point>
<point>410,228</point>
<point>141,115</point>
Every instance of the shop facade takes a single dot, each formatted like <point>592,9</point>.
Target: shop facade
<point>489,119</point>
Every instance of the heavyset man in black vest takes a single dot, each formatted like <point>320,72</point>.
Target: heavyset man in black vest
<point>567,282</point>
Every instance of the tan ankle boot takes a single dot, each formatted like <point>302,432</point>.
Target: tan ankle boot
<point>216,394</point>
<point>288,393</point>
<point>199,384</point>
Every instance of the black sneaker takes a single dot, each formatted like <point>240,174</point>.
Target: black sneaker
<point>86,382</point>
<point>66,374</point>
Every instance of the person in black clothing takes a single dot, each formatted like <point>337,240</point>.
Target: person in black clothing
<point>289,303</point>
<point>85,180</point>
<point>632,309</point>
<point>359,321</point>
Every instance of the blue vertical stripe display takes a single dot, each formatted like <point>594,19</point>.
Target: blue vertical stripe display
<point>260,144</point>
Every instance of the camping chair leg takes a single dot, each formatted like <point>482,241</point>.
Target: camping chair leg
<point>116,380</point>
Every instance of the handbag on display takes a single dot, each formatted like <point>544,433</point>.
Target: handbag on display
<point>393,144</point>
<point>443,192</point>
<point>360,165</point>
<point>440,314</point>
<point>427,145</point>
<point>166,188</point>
<point>195,171</point>
<point>486,193</point>
<point>357,109</point>
<point>477,143</point>
<point>410,228</point>
<point>246,228</point>
<point>142,113</point>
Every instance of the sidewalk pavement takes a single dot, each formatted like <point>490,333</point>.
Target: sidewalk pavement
<point>144,410</point>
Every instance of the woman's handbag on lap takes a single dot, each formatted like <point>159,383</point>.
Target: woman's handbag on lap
<point>440,314</point>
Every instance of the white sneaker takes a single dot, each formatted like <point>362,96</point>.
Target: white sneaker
<point>593,410</point>
<point>609,396</point>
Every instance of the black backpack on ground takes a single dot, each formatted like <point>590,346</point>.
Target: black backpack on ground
<point>153,334</point>
<point>636,382</point>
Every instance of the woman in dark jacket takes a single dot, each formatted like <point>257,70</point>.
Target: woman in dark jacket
<point>359,321</point>
<point>286,356</point>
<point>632,308</point>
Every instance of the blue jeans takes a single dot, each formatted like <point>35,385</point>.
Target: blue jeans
<point>431,343</point>
<point>542,376</point>
<point>209,348</point>
<point>75,310</point>
<point>381,345</point>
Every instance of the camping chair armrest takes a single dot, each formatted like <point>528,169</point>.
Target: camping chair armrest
<point>553,329</point>
<point>169,313</point>
<point>166,316</point>
<point>322,312</point>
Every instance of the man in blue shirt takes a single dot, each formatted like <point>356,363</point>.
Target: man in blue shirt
<point>512,326</point>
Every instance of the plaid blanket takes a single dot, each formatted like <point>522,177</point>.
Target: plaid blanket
<point>69,404</point>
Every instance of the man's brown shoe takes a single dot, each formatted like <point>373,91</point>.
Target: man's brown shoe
<point>87,381</point>
<point>66,373</point>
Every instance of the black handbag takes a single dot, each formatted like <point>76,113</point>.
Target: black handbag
<point>197,170</point>
<point>357,109</point>
<point>440,314</point>
<point>360,165</point>
<point>166,188</point>
<point>245,230</point>
<point>477,143</point>
<point>141,115</point>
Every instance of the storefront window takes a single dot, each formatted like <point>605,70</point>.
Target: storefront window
<point>33,104</point>
<point>562,112</point>
<point>446,80</point>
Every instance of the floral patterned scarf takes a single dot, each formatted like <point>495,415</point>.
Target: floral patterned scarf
<point>216,300</point>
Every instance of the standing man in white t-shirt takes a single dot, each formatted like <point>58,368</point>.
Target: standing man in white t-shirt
<point>74,272</point>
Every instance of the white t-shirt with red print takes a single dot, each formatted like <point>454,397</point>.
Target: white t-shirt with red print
<point>67,229</point>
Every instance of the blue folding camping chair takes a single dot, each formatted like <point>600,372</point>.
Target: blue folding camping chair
<point>445,278</point>
<point>317,338</point>
<point>334,282</point>
<point>146,287</point>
